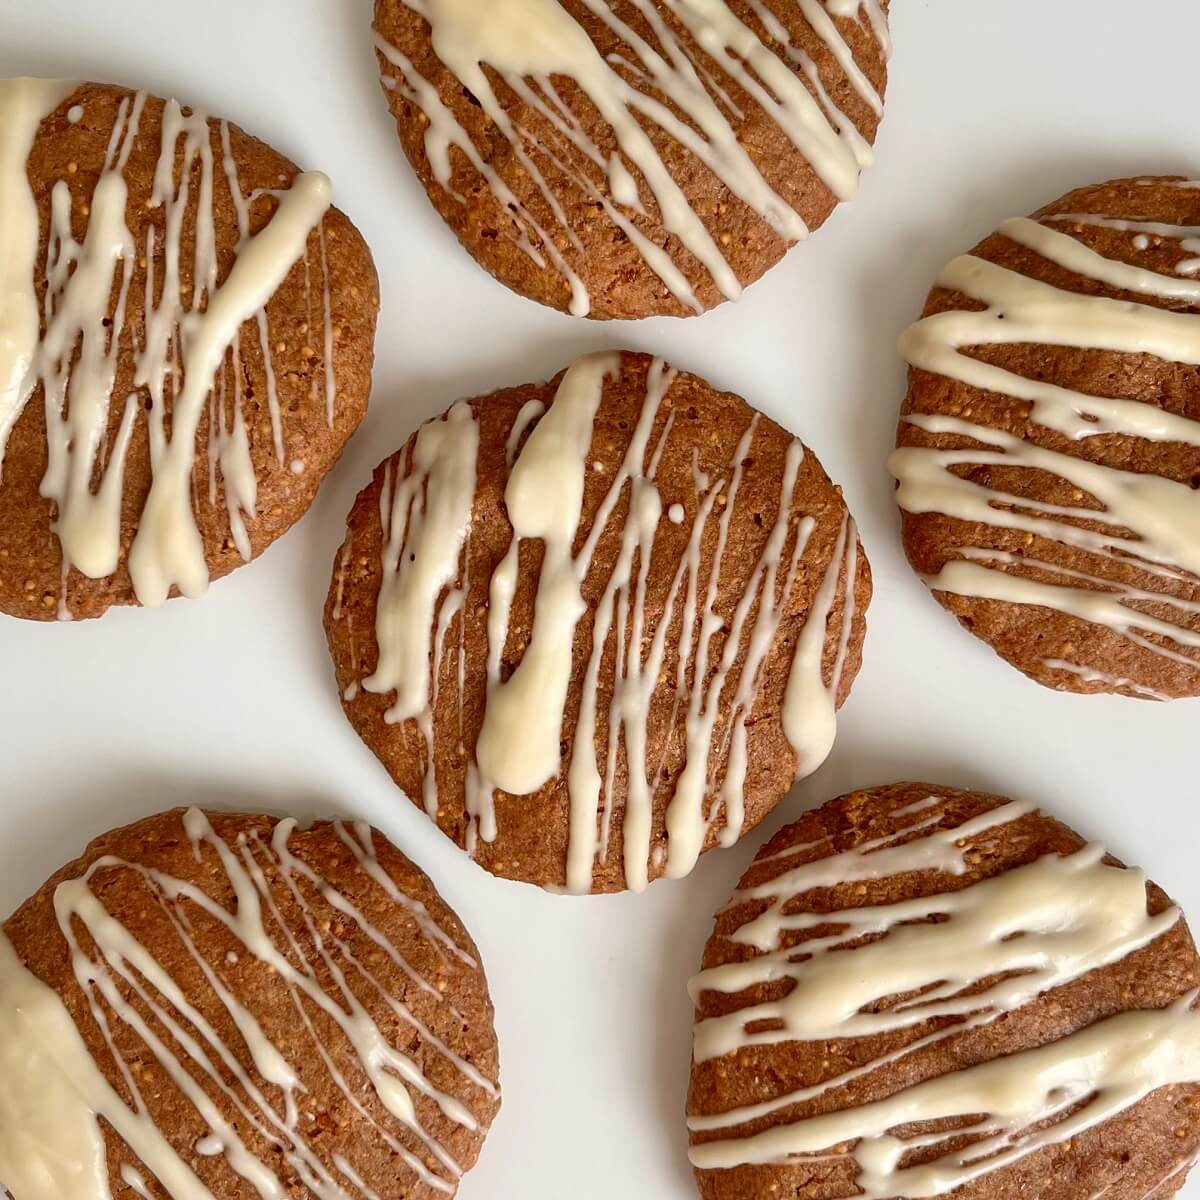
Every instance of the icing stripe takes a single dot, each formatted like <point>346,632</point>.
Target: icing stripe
<point>426,515</point>
<point>518,745</point>
<point>51,1147</point>
<point>809,704</point>
<point>1075,914</point>
<point>1100,1072</point>
<point>24,104</point>
<point>167,550</point>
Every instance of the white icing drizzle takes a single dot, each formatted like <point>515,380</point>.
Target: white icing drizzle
<point>531,411</point>
<point>1111,682</point>
<point>527,42</point>
<point>1147,521</point>
<point>872,11</point>
<point>167,550</point>
<point>1188,236</point>
<point>425,510</point>
<point>1074,913</point>
<point>50,1143</point>
<point>79,278</point>
<point>426,514</point>
<point>180,363</point>
<point>24,104</point>
<point>809,704</point>
<point>1100,1071</point>
<point>1027,930</point>
<point>518,745</point>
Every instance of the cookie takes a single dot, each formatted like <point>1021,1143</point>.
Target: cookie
<point>215,1005</point>
<point>628,158</point>
<point>1048,454</point>
<point>598,625</point>
<point>186,338</point>
<point>918,991</point>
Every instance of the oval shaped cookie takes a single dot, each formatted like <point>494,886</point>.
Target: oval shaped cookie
<point>919,991</point>
<point>214,1005</point>
<point>1048,454</point>
<point>186,338</point>
<point>626,158</point>
<point>598,625</point>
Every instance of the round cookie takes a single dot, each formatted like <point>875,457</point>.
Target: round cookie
<point>1048,453</point>
<point>598,625</point>
<point>188,332</point>
<point>634,157</point>
<point>211,1005</point>
<point>919,991</point>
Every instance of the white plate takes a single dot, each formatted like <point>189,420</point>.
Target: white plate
<point>994,108</point>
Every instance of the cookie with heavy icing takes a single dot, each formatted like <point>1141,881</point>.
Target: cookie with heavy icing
<point>186,338</point>
<point>211,1005</point>
<point>1048,453</point>
<point>918,991</point>
<point>625,158</point>
<point>599,625</point>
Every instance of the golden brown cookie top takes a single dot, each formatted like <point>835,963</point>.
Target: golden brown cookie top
<point>1049,444</point>
<point>917,990</point>
<point>598,625</point>
<point>208,1003</point>
<point>188,343</point>
<point>634,157</point>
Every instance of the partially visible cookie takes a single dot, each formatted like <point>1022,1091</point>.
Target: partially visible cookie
<point>219,1005</point>
<point>920,991</point>
<point>188,332</point>
<point>1049,446</point>
<point>634,157</point>
<point>598,625</point>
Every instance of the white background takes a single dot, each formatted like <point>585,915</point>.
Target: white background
<point>994,107</point>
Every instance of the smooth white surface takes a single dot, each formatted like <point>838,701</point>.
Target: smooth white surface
<point>994,107</point>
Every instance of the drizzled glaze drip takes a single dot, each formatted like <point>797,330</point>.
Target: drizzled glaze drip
<point>998,943</point>
<point>1146,521</point>
<point>23,105</point>
<point>51,1146</point>
<point>529,42</point>
<point>425,512</point>
<point>187,359</point>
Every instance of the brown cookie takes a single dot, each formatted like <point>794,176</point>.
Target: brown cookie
<point>634,157</point>
<point>919,991</point>
<point>1049,444</point>
<point>617,612</point>
<point>228,1002</point>
<point>192,337</point>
